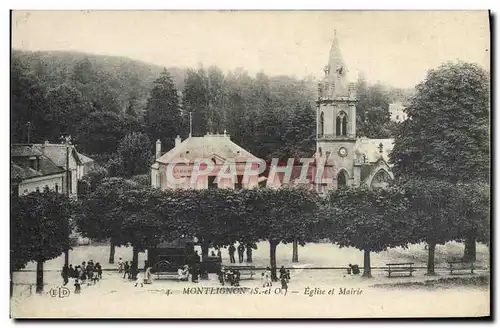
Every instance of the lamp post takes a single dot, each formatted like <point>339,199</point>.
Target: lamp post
<point>67,141</point>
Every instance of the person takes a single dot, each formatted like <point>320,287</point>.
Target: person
<point>139,280</point>
<point>220,274</point>
<point>90,273</point>
<point>241,251</point>
<point>99,270</point>
<point>249,253</point>
<point>267,278</point>
<point>147,275</point>
<point>95,274</point>
<point>78,287</point>
<point>354,268</point>
<point>219,254</point>
<point>194,274</point>
<point>212,254</point>
<point>126,270</point>
<point>231,250</point>
<point>263,279</point>
<point>76,272</point>
<point>65,274</point>
<point>120,265</point>
<point>282,271</point>
<point>236,278</point>
<point>83,273</point>
<point>71,271</point>
<point>183,273</point>
<point>284,282</point>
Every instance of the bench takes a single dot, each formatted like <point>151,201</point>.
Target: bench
<point>461,266</point>
<point>165,270</point>
<point>400,269</point>
<point>245,271</point>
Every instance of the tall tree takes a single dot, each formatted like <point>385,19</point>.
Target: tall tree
<point>300,131</point>
<point>27,104</point>
<point>447,134</point>
<point>434,209</point>
<point>99,216</point>
<point>135,153</point>
<point>100,132</point>
<point>163,115</point>
<point>282,215</point>
<point>196,99</point>
<point>370,220</point>
<point>39,230</point>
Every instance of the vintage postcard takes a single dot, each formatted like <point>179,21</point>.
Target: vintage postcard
<point>250,164</point>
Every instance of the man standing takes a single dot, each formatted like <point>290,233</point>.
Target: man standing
<point>65,274</point>
<point>231,250</point>
<point>241,251</point>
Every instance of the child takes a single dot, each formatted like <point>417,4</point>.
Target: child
<point>78,288</point>
<point>140,280</point>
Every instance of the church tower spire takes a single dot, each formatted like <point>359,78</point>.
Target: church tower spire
<point>335,82</point>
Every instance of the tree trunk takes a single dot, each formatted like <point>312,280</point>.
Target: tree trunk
<point>272,250</point>
<point>470,249</point>
<point>367,270</point>
<point>295,252</point>
<point>249,253</point>
<point>204,249</point>
<point>66,258</point>
<point>135,262</point>
<point>430,260</point>
<point>39,277</point>
<point>11,284</point>
<point>112,253</point>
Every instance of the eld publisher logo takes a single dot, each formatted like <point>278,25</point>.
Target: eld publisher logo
<point>60,292</point>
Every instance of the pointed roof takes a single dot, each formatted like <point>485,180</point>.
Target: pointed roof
<point>336,72</point>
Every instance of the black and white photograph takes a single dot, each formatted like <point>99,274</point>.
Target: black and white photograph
<point>250,164</point>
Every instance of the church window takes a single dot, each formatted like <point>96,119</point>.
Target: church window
<point>321,124</point>
<point>341,124</point>
<point>341,179</point>
<point>381,179</point>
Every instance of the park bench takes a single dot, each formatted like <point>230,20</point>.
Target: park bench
<point>165,270</point>
<point>460,266</point>
<point>400,269</point>
<point>247,271</point>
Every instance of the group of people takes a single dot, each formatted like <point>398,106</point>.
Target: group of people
<point>86,273</point>
<point>266,277</point>
<point>232,276</point>
<point>130,271</point>
<point>241,251</point>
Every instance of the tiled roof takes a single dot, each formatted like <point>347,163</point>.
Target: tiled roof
<point>56,152</point>
<point>84,159</point>
<point>23,151</point>
<point>205,147</point>
<point>20,171</point>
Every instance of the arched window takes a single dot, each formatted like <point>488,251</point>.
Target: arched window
<point>341,124</point>
<point>341,179</point>
<point>381,179</point>
<point>321,124</point>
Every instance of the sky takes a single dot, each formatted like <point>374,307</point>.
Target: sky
<point>394,47</point>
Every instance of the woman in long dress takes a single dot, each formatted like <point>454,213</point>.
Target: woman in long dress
<point>147,275</point>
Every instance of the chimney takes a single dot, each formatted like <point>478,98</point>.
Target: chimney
<point>158,149</point>
<point>178,141</point>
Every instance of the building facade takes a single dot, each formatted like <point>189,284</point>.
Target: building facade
<point>217,153</point>
<point>64,157</point>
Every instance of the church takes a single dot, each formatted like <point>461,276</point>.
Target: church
<point>341,158</point>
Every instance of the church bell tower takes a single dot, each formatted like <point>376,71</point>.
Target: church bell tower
<point>336,119</point>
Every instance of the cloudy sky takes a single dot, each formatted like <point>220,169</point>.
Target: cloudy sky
<point>396,47</point>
